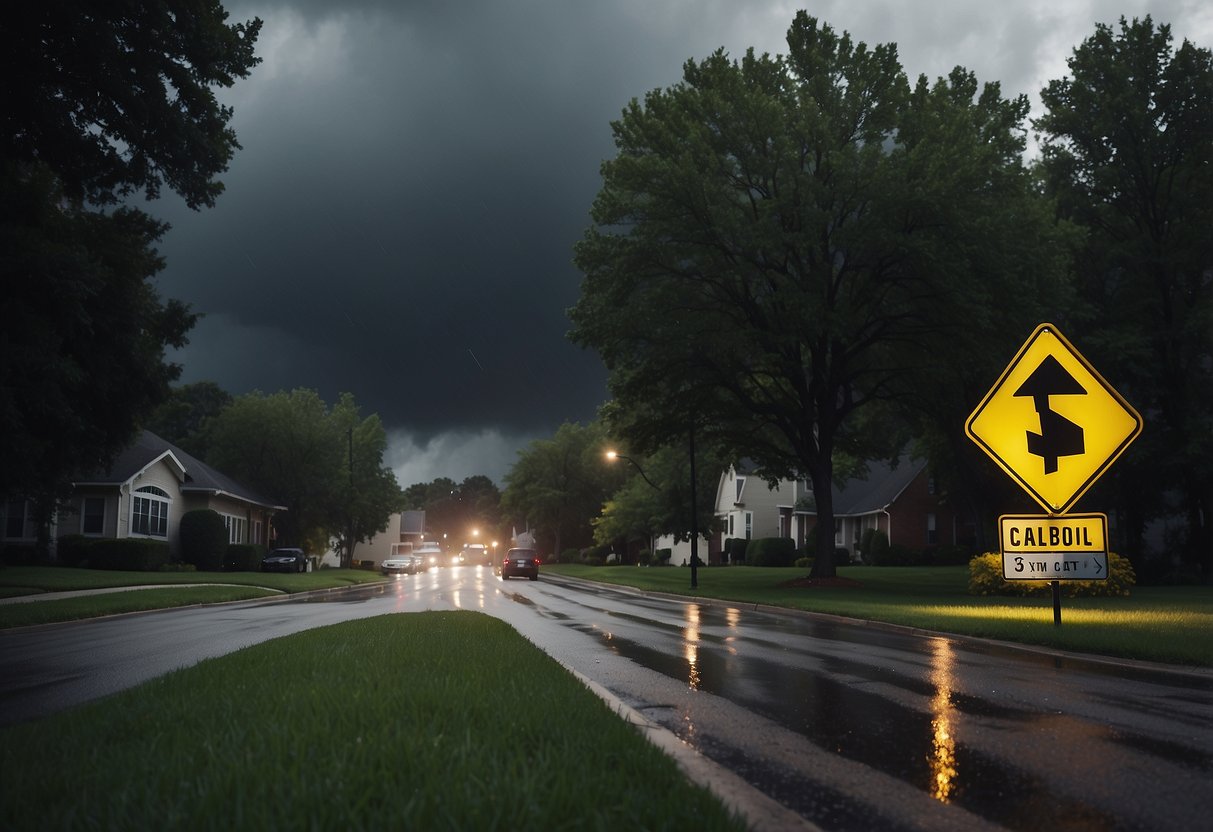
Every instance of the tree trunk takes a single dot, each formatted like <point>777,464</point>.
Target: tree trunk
<point>822,476</point>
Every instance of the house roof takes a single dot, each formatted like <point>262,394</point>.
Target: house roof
<point>196,476</point>
<point>876,491</point>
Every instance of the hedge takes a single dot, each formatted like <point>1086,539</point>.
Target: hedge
<point>243,557</point>
<point>128,554</point>
<point>985,578</point>
<point>203,539</point>
<point>771,551</point>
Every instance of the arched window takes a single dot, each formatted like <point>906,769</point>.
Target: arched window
<point>149,511</point>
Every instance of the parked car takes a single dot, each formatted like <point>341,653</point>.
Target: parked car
<point>401,563</point>
<point>284,560</point>
<point>520,562</point>
<point>432,553</point>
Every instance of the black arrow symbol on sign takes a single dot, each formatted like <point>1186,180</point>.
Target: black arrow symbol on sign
<point>1058,435</point>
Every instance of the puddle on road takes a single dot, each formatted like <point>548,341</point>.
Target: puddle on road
<point>919,748</point>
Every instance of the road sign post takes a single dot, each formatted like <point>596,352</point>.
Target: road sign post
<point>1068,547</point>
<point>1051,422</point>
<point>1054,426</point>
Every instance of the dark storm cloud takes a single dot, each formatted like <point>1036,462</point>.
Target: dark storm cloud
<point>399,223</point>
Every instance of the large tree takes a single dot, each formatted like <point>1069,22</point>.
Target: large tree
<point>325,466</point>
<point>367,493</point>
<point>101,102</point>
<point>655,497</point>
<point>1127,150</point>
<point>558,485</point>
<point>778,236</point>
<point>458,512</point>
<point>182,418</point>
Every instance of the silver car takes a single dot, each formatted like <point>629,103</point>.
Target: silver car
<point>403,563</point>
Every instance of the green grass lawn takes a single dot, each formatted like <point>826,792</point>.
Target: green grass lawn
<point>1162,624</point>
<point>437,720</point>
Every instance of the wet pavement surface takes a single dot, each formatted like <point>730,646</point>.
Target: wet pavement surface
<point>850,726</point>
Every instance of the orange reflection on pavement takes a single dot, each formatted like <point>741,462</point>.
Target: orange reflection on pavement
<point>691,634</point>
<point>943,756</point>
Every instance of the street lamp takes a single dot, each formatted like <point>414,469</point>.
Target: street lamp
<point>613,455</point>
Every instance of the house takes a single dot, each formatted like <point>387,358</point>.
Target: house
<point>144,494</point>
<point>901,500</point>
<point>402,527</point>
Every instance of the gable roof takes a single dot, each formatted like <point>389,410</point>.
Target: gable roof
<point>196,476</point>
<point>878,489</point>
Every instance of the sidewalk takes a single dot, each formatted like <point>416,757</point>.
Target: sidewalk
<point>77,593</point>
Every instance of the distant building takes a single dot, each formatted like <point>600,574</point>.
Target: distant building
<point>402,527</point>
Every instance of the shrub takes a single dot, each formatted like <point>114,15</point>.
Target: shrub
<point>72,549</point>
<point>128,554</point>
<point>736,548</point>
<point>243,557</point>
<point>177,567</point>
<point>18,554</point>
<point>569,556</point>
<point>771,551</point>
<point>661,557</point>
<point>644,557</point>
<point>595,555</point>
<point>203,539</point>
<point>874,546</point>
<point>985,578</point>
<point>804,563</point>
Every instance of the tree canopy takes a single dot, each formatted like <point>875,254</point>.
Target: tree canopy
<point>101,102</point>
<point>557,485</point>
<point>466,512</point>
<point>1127,152</point>
<point>115,100</point>
<point>780,240</point>
<point>325,466</point>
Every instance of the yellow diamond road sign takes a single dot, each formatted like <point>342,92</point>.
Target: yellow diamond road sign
<point>1051,421</point>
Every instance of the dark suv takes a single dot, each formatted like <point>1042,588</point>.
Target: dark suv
<point>520,562</point>
<point>285,560</point>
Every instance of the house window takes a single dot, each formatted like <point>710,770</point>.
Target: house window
<point>14,519</point>
<point>749,525</point>
<point>838,531</point>
<point>257,538</point>
<point>149,512</point>
<point>932,535</point>
<point>931,485</point>
<point>235,528</point>
<point>731,532</point>
<point>92,516</point>
<point>740,487</point>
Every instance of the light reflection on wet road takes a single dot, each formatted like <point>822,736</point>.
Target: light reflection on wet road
<point>851,726</point>
<point>1020,739</point>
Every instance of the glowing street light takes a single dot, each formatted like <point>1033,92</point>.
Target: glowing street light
<point>613,455</point>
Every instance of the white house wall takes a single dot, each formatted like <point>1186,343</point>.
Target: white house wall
<point>681,552</point>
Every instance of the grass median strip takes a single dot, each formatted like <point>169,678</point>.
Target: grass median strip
<point>440,720</point>
<point>130,600</point>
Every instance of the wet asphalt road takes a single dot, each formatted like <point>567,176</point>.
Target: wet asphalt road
<point>850,726</point>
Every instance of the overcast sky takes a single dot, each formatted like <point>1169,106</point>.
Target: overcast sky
<point>399,223</point>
